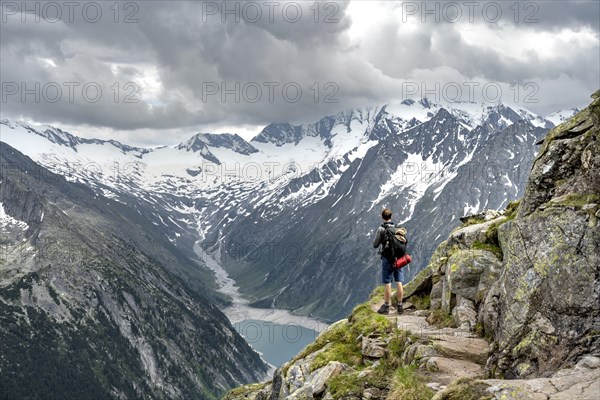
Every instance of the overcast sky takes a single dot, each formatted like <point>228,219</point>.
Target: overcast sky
<point>169,69</point>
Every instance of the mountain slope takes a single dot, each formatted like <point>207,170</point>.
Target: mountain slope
<point>89,307</point>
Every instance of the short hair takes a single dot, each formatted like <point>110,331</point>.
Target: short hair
<point>386,214</point>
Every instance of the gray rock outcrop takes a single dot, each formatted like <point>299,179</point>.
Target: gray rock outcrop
<point>544,310</point>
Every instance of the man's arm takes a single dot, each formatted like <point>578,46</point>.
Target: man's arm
<point>377,240</point>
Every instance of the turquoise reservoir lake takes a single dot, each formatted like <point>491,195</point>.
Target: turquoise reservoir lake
<point>278,335</point>
<point>276,342</point>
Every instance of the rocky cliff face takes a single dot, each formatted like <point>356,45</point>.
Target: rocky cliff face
<point>530,279</point>
<point>543,311</point>
<point>510,296</point>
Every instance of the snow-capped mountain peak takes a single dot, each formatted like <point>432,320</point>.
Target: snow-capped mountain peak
<point>284,133</point>
<point>561,116</point>
<point>279,134</point>
<point>62,138</point>
<point>230,141</point>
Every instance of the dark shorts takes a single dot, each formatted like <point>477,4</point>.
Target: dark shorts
<point>388,271</point>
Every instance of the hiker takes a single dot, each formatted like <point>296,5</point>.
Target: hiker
<point>387,269</point>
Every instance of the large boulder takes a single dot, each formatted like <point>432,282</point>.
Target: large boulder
<point>466,237</point>
<point>458,277</point>
<point>543,312</point>
<point>318,379</point>
<point>465,269</point>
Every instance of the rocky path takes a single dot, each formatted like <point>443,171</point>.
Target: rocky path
<point>445,354</point>
<point>450,354</point>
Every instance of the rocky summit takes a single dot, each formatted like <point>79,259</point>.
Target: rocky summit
<point>507,308</point>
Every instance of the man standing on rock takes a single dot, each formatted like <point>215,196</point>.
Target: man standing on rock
<point>387,269</point>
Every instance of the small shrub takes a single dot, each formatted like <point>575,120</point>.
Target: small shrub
<point>479,329</point>
<point>379,376</point>
<point>364,321</point>
<point>440,319</point>
<point>511,209</point>
<point>347,352</point>
<point>244,391</point>
<point>422,302</point>
<point>338,333</point>
<point>578,199</point>
<point>466,389</point>
<point>398,343</point>
<point>345,384</point>
<point>408,386</point>
<point>492,248</point>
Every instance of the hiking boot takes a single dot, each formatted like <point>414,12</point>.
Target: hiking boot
<point>384,309</point>
<point>400,308</point>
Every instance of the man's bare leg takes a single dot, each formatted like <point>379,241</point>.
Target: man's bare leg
<point>399,291</point>
<point>387,293</point>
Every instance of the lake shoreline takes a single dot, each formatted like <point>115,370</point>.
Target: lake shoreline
<point>239,310</point>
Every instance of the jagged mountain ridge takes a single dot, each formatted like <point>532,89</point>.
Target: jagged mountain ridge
<point>89,306</point>
<point>337,162</point>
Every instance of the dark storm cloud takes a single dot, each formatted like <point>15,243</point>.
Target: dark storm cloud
<point>188,47</point>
